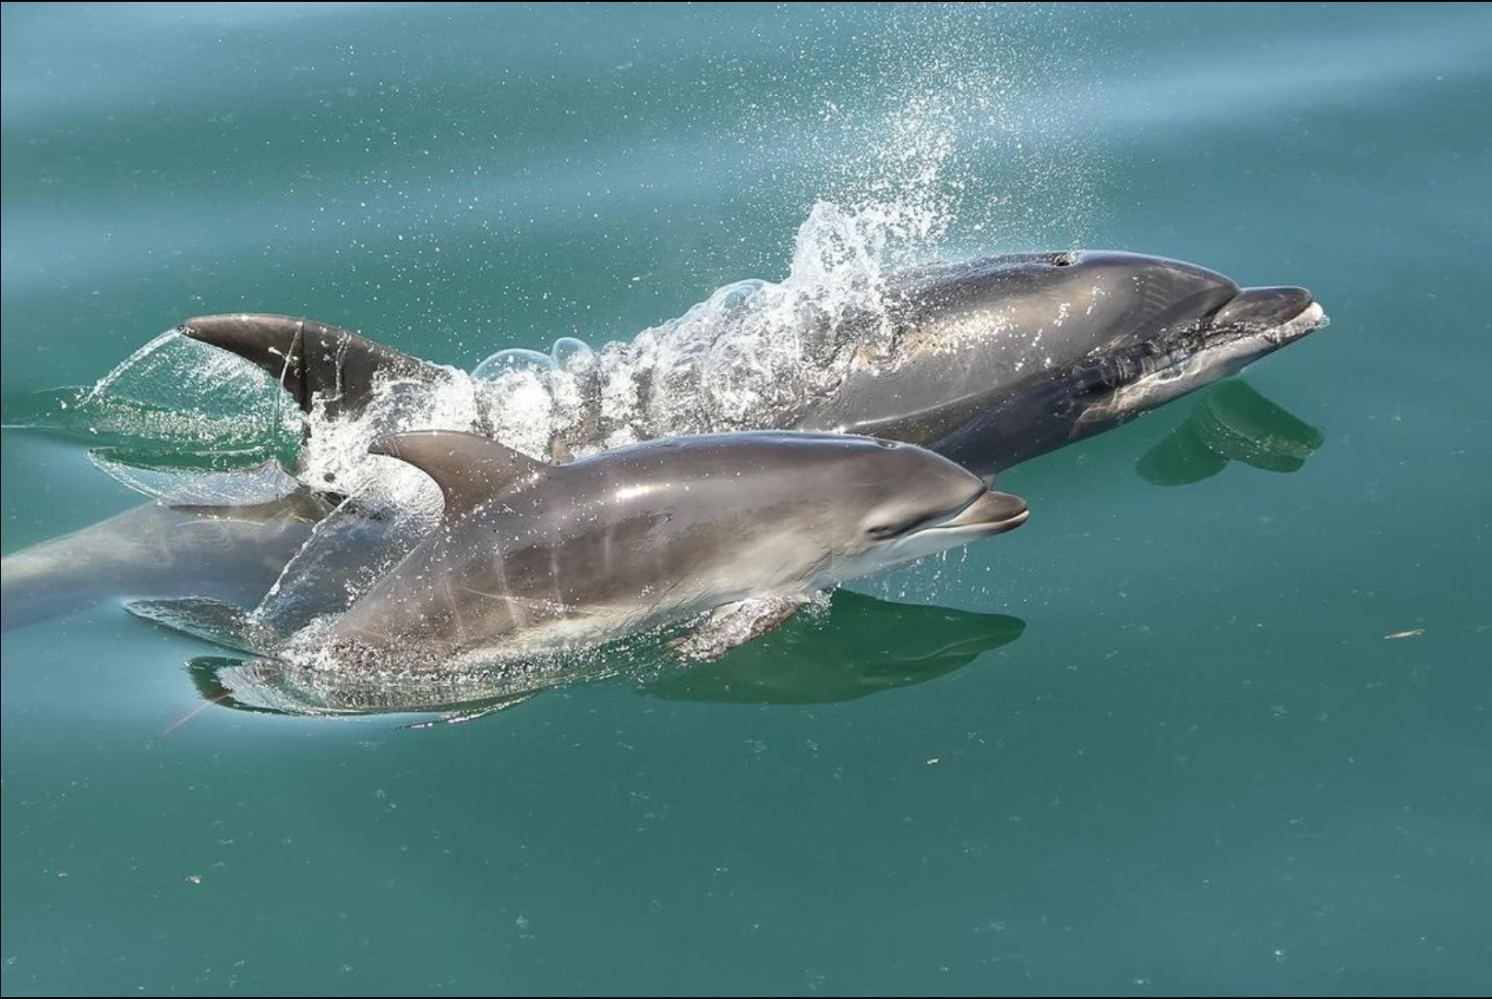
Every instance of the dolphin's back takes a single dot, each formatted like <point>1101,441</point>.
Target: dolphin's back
<point>603,546</point>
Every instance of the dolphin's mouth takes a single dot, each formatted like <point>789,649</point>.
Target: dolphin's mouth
<point>990,513</point>
<point>1254,322</point>
<point>1251,324</point>
<point>1280,315</point>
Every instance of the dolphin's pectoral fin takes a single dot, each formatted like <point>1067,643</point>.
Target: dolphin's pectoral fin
<point>468,468</point>
<point>210,620</point>
<point>735,624</point>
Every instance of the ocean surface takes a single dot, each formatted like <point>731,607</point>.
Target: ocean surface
<point>1221,728</point>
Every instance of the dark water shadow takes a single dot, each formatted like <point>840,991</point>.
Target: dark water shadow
<point>1230,421</point>
<point>860,646</point>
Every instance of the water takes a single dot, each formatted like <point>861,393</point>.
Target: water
<point>1156,741</point>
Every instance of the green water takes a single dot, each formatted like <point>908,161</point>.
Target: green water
<point>1185,757</point>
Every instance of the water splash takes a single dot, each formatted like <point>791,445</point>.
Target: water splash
<point>177,419</point>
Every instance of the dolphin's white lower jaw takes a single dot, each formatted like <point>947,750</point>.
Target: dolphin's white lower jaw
<point>1225,352</point>
<point>1311,319</point>
<point>975,530</point>
<point>989,514</point>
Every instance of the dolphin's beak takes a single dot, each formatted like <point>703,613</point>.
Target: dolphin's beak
<point>1292,311</point>
<point>991,513</point>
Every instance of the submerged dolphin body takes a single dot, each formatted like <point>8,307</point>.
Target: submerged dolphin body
<point>990,363</point>
<point>232,554</point>
<point>1229,422</point>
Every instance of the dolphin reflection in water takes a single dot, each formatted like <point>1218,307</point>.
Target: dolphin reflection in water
<point>1230,421</point>
<point>857,646</point>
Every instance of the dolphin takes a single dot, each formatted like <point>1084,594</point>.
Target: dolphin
<point>990,362</point>
<point>531,558</point>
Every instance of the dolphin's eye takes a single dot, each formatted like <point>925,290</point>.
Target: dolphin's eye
<point>1064,259</point>
<point>885,532</point>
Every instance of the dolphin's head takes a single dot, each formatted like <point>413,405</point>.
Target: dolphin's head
<point>1163,328</point>
<point>1082,301</point>
<point>899,502</point>
<point>998,359</point>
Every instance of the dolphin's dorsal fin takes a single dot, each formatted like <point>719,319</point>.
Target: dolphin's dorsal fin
<point>469,468</point>
<point>310,358</point>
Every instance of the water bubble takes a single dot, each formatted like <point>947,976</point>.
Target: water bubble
<point>571,354</point>
<point>737,297</point>
<point>514,359</point>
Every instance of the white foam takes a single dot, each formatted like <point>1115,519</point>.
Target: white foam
<point>755,354</point>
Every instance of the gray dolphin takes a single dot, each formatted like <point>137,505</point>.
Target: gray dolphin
<point>990,362</point>
<point>532,558</point>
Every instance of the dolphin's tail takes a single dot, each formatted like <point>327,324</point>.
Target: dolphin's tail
<point>311,358</point>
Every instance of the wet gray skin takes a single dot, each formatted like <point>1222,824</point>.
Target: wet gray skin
<point>535,558</point>
<point>1000,360</point>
